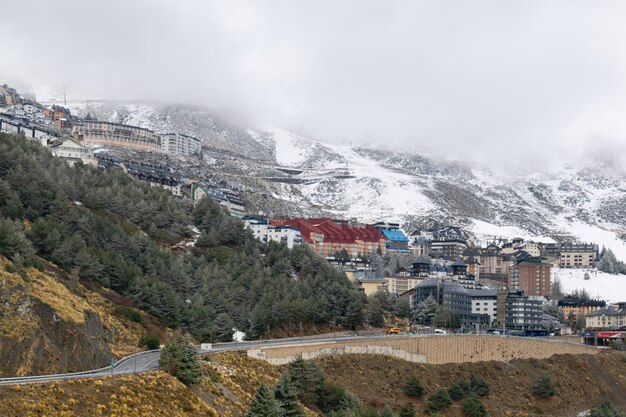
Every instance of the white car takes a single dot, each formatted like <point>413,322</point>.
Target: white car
<point>440,331</point>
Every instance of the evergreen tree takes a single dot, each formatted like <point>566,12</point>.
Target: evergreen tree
<point>307,379</point>
<point>425,311</point>
<point>387,412</point>
<point>544,387</point>
<point>472,407</point>
<point>444,317</point>
<point>605,409</point>
<point>456,392</point>
<point>440,399</point>
<point>287,398</point>
<point>263,404</point>
<point>407,410</point>
<point>413,387</point>
<point>479,386</point>
<point>180,359</point>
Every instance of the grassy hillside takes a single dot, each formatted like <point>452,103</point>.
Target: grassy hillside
<point>231,379</point>
<point>50,324</point>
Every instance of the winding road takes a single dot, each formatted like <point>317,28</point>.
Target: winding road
<point>149,360</point>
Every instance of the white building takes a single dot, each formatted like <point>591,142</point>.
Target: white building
<point>72,151</point>
<point>485,302</point>
<point>179,144</point>
<point>288,235</point>
<point>533,248</point>
<point>258,226</point>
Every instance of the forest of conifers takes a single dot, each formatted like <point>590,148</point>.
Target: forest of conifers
<point>101,226</point>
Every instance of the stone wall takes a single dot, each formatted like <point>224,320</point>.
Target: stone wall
<point>429,349</point>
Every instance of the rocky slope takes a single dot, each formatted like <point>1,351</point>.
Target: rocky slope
<point>51,324</point>
<point>287,174</point>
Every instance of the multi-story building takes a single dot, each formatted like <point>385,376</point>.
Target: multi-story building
<point>180,145</point>
<point>258,226</point>
<point>485,301</point>
<point>226,198</point>
<point>72,151</point>
<point>421,246</point>
<point>532,275</point>
<point>328,237</point>
<point>447,248</point>
<point>287,235</point>
<point>523,312</point>
<point>578,255</point>
<point>578,307</point>
<point>450,295</point>
<point>612,317</point>
<point>116,134</point>
<point>400,284</point>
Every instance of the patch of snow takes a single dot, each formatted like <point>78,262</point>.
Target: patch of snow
<point>608,287</point>
<point>238,336</point>
<point>486,231</point>
<point>289,148</point>
<point>608,239</point>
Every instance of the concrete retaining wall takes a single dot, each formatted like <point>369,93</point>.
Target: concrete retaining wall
<point>429,349</point>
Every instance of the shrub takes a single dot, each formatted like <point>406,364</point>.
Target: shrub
<point>544,387</point>
<point>479,386</point>
<point>151,341</point>
<point>387,412</point>
<point>606,409</point>
<point>456,392</point>
<point>472,407</point>
<point>129,313</point>
<point>413,387</point>
<point>437,401</point>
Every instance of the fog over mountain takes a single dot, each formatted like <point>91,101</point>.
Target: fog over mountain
<point>491,80</point>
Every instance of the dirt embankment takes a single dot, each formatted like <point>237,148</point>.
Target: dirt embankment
<point>49,324</point>
<point>583,381</point>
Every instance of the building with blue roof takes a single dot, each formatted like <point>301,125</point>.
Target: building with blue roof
<point>395,240</point>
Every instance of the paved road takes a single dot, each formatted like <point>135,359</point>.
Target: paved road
<point>149,360</point>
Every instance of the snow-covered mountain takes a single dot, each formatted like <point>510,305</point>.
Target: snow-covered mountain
<point>284,173</point>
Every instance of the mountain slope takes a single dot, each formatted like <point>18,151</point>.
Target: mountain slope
<point>287,174</point>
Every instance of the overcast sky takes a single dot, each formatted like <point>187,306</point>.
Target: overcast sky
<point>475,78</point>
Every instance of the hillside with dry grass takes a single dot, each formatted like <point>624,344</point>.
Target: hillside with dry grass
<point>50,323</point>
<point>230,380</point>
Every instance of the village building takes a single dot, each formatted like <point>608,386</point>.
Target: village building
<point>530,274</point>
<point>228,199</point>
<point>421,246</point>
<point>578,255</point>
<point>579,308</point>
<point>611,317</point>
<point>485,301</point>
<point>523,312</point>
<point>400,284</point>
<point>71,151</point>
<point>117,134</point>
<point>180,145</point>
<point>329,237</point>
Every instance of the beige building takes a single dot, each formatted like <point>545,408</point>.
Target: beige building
<point>578,255</point>
<point>610,317</point>
<point>371,285</point>
<point>398,285</point>
<point>116,134</point>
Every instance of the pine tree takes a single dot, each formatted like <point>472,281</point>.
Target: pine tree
<point>479,386</point>
<point>407,410</point>
<point>605,409</point>
<point>387,412</point>
<point>287,398</point>
<point>180,359</point>
<point>413,387</point>
<point>472,407</point>
<point>440,399</point>
<point>263,404</point>
<point>544,387</point>
<point>425,310</point>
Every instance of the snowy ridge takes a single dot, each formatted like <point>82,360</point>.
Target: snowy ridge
<point>287,174</point>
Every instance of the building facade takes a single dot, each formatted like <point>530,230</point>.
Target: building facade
<point>612,317</point>
<point>68,149</point>
<point>531,275</point>
<point>523,312</point>
<point>116,134</point>
<point>180,145</point>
